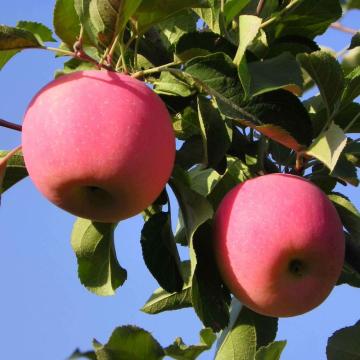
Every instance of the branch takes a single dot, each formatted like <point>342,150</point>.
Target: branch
<point>260,7</point>
<point>10,125</point>
<point>338,26</point>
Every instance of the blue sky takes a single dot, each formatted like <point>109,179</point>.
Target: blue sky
<point>45,312</point>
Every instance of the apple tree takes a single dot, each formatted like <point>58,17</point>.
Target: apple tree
<point>235,77</point>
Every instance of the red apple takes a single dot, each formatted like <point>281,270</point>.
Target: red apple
<point>279,244</point>
<point>98,144</point>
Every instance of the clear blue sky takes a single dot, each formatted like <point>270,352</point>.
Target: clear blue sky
<point>45,312</point>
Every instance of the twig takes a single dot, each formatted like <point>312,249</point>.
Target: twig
<point>260,7</point>
<point>79,54</point>
<point>338,26</point>
<point>155,69</point>
<point>10,125</point>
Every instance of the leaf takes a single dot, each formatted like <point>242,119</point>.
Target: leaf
<point>355,41</point>
<point>186,124</point>
<point>195,208</point>
<point>309,18</point>
<point>41,32</point>
<point>66,21</point>
<point>349,276</point>
<point>130,342</point>
<point>281,116</point>
<point>281,72</point>
<point>211,16</point>
<point>209,297</point>
<point>5,56</point>
<point>161,300</point>
<point>12,38</point>
<point>328,146</point>
<point>328,76</point>
<point>249,26</point>
<point>77,354</point>
<point>170,85</point>
<point>190,153</point>
<point>217,75</point>
<point>348,118</point>
<point>160,253</point>
<point>14,169</point>
<point>352,87</point>
<point>152,12</point>
<point>271,352</point>
<point>203,181</point>
<point>233,8</point>
<point>344,344</point>
<point>246,335</point>
<point>350,216</point>
<point>98,268</point>
<point>216,134</point>
<point>178,350</point>
<point>195,44</point>
<point>174,28</point>
<point>345,170</point>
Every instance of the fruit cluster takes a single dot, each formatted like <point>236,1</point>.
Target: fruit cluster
<point>100,145</point>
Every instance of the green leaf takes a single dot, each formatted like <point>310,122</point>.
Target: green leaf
<point>233,8</point>
<point>348,118</point>
<point>209,297</point>
<point>130,342</point>
<point>168,84</point>
<point>344,344</point>
<point>349,276</point>
<point>350,216</point>
<point>14,169</point>
<point>352,87</point>
<point>74,65</point>
<point>160,253</point>
<point>180,351</point>
<point>328,76</point>
<point>66,22</point>
<point>216,134</point>
<point>161,300</point>
<point>152,12</point>
<point>98,268</point>
<point>203,180</point>
<point>217,75</point>
<point>271,352</point>
<point>5,56</point>
<point>281,72</point>
<point>195,44</point>
<point>210,16</point>
<point>190,153</point>
<point>249,26</point>
<point>12,38</point>
<point>77,354</point>
<point>186,124</point>
<point>174,28</point>
<point>309,18</point>
<point>249,332</point>
<point>41,32</point>
<point>195,208</point>
<point>345,170</point>
<point>280,116</point>
<point>355,41</point>
<point>328,146</point>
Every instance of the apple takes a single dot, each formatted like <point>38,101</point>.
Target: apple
<point>98,144</point>
<point>279,244</point>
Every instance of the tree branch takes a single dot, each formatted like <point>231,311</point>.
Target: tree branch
<point>10,125</point>
<point>338,26</point>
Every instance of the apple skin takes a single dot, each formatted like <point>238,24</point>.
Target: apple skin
<point>98,144</point>
<point>279,244</point>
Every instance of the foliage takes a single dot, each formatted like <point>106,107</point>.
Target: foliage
<point>231,78</point>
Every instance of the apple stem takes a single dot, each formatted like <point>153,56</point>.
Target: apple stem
<point>10,125</point>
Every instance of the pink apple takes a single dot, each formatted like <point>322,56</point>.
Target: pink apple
<point>98,144</point>
<point>279,244</point>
